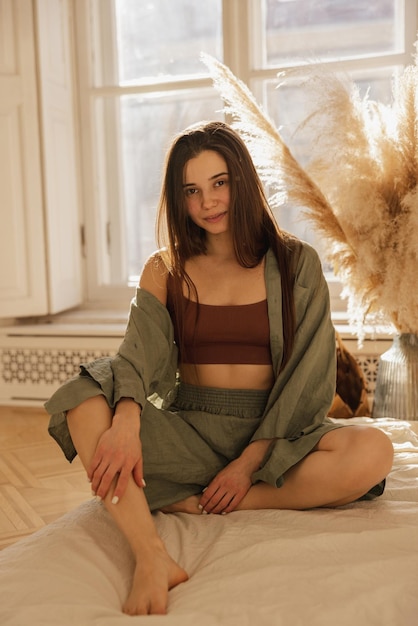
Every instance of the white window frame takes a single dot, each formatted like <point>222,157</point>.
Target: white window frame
<point>239,56</point>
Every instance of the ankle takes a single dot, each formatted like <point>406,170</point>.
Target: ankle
<point>149,547</point>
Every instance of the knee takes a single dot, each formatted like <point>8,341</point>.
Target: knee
<point>86,424</point>
<point>373,456</point>
<point>381,450</point>
<point>90,405</point>
<point>82,414</point>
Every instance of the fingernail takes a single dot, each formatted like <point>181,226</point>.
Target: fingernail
<point>223,513</point>
<point>115,500</point>
<point>204,512</point>
<point>98,498</point>
<point>203,490</point>
<point>144,484</point>
<point>199,506</point>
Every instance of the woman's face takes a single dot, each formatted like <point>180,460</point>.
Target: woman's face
<point>206,187</point>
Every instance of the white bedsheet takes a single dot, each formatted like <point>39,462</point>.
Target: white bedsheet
<point>356,566</point>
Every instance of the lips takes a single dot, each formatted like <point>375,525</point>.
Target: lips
<point>215,218</point>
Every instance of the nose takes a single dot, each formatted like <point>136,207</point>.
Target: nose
<point>208,200</point>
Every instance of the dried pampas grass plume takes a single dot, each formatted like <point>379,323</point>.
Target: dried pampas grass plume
<point>276,165</point>
<point>360,189</point>
<point>364,158</point>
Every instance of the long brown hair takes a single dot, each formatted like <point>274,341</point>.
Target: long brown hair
<point>253,226</point>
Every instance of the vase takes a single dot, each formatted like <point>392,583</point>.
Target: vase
<point>396,393</point>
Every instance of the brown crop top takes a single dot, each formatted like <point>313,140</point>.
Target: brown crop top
<point>237,334</point>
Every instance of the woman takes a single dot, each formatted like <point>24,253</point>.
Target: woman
<point>217,399</point>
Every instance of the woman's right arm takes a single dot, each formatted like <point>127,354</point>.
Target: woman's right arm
<point>119,450</point>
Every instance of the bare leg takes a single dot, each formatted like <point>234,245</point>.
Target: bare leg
<point>188,505</point>
<point>344,465</point>
<point>155,571</point>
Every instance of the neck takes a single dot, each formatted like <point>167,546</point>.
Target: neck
<point>220,246</point>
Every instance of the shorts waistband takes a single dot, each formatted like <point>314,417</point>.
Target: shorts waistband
<point>239,402</point>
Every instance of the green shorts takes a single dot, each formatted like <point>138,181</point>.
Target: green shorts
<point>186,443</point>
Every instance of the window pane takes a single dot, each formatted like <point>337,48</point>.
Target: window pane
<point>299,30</point>
<point>164,38</point>
<point>145,126</point>
<point>148,124</point>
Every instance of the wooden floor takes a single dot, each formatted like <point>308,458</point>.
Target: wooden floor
<point>37,484</point>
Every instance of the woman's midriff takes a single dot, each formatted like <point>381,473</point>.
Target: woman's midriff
<point>227,376</point>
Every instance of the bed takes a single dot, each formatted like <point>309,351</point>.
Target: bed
<point>357,565</point>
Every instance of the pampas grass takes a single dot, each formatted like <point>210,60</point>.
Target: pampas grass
<point>364,159</point>
<point>359,190</point>
<point>277,167</point>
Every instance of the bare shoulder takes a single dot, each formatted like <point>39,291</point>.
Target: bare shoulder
<point>154,277</point>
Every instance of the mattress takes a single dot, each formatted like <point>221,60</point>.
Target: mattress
<point>356,565</point>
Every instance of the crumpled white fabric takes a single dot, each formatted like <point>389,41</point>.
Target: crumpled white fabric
<point>354,565</point>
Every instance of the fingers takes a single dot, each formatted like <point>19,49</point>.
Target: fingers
<point>138,474</point>
<point>121,484</point>
<point>116,457</point>
<point>231,506</point>
<point>95,462</point>
<point>102,478</point>
<point>225,492</point>
<point>221,502</point>
<point>104,475</point>
<point>101,471</point>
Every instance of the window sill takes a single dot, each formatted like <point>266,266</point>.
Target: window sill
<point>78,322</point>
<point>112,323</point>
<point>372,333</point>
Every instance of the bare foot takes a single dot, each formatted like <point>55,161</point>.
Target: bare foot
<point>188,505</point>
<point>155,574</point>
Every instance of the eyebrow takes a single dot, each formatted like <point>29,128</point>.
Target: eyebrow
<point>211,178</point>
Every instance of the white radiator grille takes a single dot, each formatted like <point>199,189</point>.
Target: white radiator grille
<point>32,367</point>
<point>25,366</point>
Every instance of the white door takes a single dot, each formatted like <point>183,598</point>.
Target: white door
<point>40,247</point>
<point>23,287</point>
<point>61,190</point>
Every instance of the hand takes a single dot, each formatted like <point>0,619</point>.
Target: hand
<point>118,453</point>
<point>227,489</point>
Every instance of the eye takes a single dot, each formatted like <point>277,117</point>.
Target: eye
<point>221,182</point>
<point>190,191</point>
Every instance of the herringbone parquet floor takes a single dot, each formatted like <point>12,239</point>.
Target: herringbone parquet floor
<point>37,484</point>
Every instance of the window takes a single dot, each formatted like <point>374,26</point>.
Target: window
<point>141,81</point>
